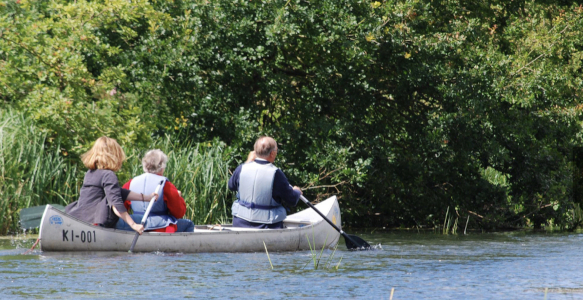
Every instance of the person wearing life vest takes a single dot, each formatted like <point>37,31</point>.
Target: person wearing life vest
<point>101,200</point>
<point>262,189</point>
<point>169,208</point>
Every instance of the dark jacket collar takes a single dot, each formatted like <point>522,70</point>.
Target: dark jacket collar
<point>261,161</point>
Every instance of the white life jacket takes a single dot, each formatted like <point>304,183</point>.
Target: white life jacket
<point>256,203</point>
<point>159,216</point>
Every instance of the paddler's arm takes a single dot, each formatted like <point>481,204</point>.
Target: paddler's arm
<point>139,228</point>
<point>133,196</point>
<point>234,180</point>
<point>283,192</point>
<point>174,201</point>
<point>128,195</point>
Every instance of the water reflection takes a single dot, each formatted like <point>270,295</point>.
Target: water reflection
<point>417,265</point>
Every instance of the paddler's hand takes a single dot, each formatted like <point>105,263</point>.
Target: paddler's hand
<point>298,189</point>
<point>147,198</point>
<point>139,228</point>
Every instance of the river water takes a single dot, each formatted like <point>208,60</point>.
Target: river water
<point>426,265</point>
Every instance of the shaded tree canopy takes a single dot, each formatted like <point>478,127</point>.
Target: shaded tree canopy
<point>403,108</point>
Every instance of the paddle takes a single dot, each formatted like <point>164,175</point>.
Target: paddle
<point>352,241</point>
<point>30,217</point>
<point>145,217</point>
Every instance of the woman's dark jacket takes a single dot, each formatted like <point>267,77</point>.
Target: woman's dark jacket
<point>99,193</point>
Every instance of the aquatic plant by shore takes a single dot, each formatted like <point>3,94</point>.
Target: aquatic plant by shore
<point>30,173</point>
<point>316,258</point>
<point>449,225</point>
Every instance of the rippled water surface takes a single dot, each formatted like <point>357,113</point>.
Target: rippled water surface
<point>417,265</point>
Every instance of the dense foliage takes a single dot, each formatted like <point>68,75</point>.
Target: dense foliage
<point>403,108</point>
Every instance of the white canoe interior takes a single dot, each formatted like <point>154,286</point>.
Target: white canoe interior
<point>61,232</point>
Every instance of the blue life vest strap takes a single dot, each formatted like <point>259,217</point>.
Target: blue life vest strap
<point>256,206</point>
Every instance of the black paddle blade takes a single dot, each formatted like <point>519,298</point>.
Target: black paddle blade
<point>355,243</point>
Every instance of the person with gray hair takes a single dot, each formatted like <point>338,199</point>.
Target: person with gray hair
<point>262,189</point>
<point>167,211</point>
<point>154,161</point>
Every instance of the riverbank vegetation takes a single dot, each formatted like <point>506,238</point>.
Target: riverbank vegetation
<point>33,174</point>
<point>402,108</point>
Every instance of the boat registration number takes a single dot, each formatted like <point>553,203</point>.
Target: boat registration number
<point>84,236</point>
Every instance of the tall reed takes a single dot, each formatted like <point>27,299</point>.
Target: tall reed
<point>449,225</point>
<point>32,174</point>
<point>317,257</point>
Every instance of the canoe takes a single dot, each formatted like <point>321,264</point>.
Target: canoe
<point>62,232</point>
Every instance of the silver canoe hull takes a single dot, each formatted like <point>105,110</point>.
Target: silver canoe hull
<point>61,232</point>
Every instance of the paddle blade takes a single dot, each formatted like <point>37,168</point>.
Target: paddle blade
<point>134,242</point>
<point>355,243</point>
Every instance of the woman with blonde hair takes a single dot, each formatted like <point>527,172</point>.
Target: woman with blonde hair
<point>101,200</point>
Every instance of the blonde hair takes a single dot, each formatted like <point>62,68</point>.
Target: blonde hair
<point>154,161</point>
<point>251,157</point>
<point>105,154</point>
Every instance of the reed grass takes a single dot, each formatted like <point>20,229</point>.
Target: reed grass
<point>338,264</point>
<point>327,265</point>
<point>267,252</point>
<point>31,173</point>
<point>313,252</point>
<point>449,224</point>
<point>316,257</point>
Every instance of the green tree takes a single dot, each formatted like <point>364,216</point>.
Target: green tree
<point>403,108</point>
<point>46,53</point>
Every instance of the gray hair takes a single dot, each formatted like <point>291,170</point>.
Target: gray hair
<point>264,146</point>
<point>154,161</point>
